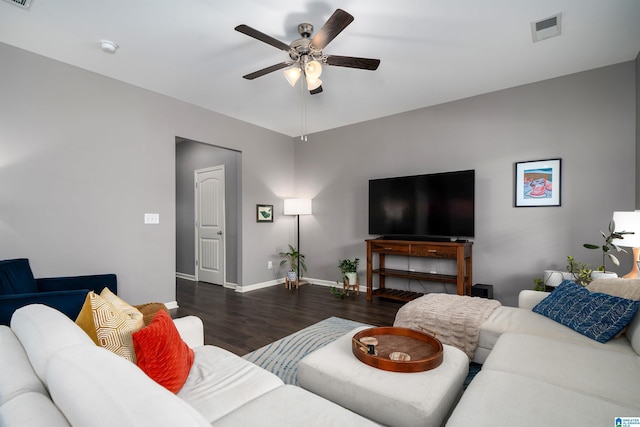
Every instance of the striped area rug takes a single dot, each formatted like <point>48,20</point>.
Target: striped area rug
<point>281,357</point>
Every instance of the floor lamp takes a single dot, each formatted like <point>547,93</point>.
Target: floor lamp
<point>629,221</point>
<point>297,207</point>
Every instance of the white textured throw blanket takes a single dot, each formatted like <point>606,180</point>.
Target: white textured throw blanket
<point>454,319</point>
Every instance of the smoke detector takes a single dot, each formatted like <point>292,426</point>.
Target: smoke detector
<point>546,28</point>
<point>20,3</point>
<point>108,46</point>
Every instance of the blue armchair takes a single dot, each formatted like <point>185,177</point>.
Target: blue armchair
<point>18,288</point>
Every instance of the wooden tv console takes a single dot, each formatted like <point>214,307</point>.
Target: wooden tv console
<point>458,251</point>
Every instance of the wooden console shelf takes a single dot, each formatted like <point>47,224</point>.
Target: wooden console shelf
<point>458,251</point>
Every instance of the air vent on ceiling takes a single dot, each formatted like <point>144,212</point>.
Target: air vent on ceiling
<point>20,3</point>
<point>546,28</point>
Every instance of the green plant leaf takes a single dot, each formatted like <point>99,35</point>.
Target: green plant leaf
<point>590,246</point>
<point>614,260</point>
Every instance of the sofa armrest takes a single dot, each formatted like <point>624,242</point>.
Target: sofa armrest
<point>191,330</point>
<point>529,299</point>
<point>95,282</point>
<point>68,302</point>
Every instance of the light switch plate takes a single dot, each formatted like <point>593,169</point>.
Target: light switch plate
<point>152,218</point>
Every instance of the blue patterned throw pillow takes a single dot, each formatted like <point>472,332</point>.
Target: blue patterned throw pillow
<point>596,315</point>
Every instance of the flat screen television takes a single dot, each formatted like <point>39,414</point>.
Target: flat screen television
<point>437,206</point>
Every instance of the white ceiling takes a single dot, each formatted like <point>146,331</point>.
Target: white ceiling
<point>431,51</point>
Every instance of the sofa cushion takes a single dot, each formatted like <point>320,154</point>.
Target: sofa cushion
<point>94,387</point>
<point>16,277</point>
<point>108,327</point>
<point>220,382</point>
<point>32,409</point>
<point>43,331</point>
<point>292,406</point>
<point>596,315</point>
<point>496,398</point>
<point>517,320</point>
<point>619,287</point>
<point>593,371</point>
<point>162,354</point>
<point>20,377</point>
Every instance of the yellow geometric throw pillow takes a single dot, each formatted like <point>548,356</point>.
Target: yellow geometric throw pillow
<point>124,307</point>
<point>110,327</point>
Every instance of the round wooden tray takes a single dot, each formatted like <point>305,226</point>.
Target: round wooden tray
<point>425,351</point>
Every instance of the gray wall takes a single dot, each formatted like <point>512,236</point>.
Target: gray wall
<point>587,119</point>
<point>191,156</point>
<point>83,157</point>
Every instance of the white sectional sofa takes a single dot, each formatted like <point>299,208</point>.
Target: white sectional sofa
<point>537,372</point>
<point>52,374</point>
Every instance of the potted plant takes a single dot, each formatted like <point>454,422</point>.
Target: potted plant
<point>608,245</point>
<point>349,269</point>
<point>294,258</point>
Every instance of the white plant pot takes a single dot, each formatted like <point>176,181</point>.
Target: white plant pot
<point>553,278</point>
<point>353,277</point>
<point>292,276</point>
<point>603,275</point>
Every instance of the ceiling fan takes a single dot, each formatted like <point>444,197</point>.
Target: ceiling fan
<point>305,54</point>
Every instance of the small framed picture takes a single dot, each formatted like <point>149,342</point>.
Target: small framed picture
<point>537,183</point>
<point>264,213</point>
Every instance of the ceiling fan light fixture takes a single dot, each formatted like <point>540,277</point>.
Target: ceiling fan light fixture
<point>292,75</point>
<point>313,69</point>
<point>313,84</point>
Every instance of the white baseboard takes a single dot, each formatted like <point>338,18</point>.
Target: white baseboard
<point>171,305</point>
<point>185,276</point>
<point>256,286</point>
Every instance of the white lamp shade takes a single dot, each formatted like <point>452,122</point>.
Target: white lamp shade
<point>628,221</point>
<point>313,84</point>
<point>313,69</point>
<point>292,75</point>
<point>297,206</point>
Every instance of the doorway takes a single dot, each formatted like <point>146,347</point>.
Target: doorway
<point>191,156</point>
<point>210,224</point>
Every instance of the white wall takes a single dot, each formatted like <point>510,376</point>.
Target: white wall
<point>587,119</point>
<point>83,157</point>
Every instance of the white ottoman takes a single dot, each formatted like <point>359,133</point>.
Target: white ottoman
<point>391,398</point>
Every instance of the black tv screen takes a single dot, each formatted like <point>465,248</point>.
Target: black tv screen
<point>439,205</point>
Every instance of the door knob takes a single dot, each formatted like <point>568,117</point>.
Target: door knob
<point>220,233</point>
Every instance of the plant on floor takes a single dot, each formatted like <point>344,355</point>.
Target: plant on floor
<point>608,245</point>
<point>293,257</point>
<point>339,293</point>
<point>349,269</point>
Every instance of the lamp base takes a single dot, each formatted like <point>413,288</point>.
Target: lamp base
<point>633,274</point>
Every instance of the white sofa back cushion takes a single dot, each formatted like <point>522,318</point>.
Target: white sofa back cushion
<point>16,374</point>
<point>43,331</point>
<point>94,387</point>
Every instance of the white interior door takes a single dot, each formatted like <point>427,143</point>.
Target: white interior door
<point>209,198</point>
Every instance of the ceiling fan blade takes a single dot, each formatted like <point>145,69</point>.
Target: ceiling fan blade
<point>353,62</point>
<point>251,32</point>
<point>334,26</point>
<point>267,70</point>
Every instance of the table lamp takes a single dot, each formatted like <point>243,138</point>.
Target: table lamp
<point>629,221</point>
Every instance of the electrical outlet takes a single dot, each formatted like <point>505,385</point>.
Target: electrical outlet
<point>270,265</point>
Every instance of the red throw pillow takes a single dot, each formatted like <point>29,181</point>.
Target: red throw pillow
<point>161,353</point>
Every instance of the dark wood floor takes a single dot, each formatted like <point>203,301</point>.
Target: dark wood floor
<point>243,322</point>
